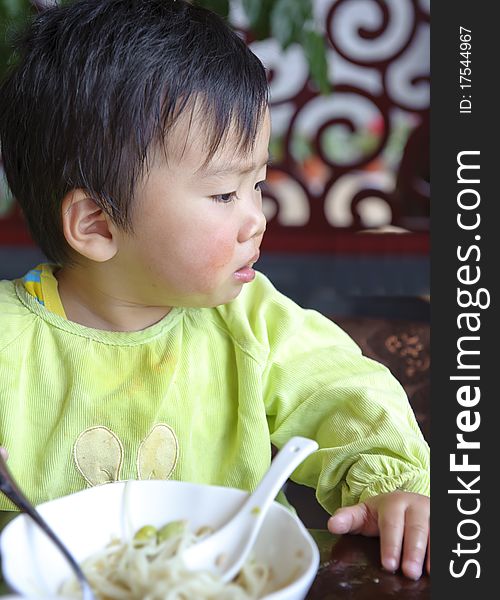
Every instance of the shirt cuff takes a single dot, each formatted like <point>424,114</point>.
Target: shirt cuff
<point>374,475</point>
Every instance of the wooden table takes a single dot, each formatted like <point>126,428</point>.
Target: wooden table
<point>350,569</point>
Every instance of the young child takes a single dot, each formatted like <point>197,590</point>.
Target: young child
<point>135,136</point>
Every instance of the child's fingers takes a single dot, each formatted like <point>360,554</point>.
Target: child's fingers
<point>391,523</point>
<point>415,541</point>
<point>4,453</point>
<point>351,519</point>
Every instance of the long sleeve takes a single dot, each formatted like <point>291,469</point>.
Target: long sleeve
<point>318,384</point>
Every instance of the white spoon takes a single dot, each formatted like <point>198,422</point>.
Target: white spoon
<point>225,551</point>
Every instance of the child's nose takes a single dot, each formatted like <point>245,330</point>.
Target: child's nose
<point>254,222</point>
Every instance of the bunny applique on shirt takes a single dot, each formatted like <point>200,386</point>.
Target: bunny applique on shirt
<point>98,454</point>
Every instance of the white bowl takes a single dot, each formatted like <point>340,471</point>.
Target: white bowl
<point>87,520</point>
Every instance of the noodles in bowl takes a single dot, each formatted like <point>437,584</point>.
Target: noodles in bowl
<point>88,520</point>
<point>150,566</point>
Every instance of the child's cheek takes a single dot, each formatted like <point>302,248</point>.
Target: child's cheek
<point>215,261</point>
<point>219,254</point>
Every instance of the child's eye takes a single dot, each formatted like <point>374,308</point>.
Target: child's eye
<point>258,186</point>
<point>224,198</point>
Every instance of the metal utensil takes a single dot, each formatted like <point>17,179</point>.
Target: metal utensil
<point>10,488</point>
<point>224,552</point>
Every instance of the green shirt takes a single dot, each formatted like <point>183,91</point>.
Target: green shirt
<point>200,396</point>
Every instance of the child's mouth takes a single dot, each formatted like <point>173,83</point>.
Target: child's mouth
<point>246,273</point>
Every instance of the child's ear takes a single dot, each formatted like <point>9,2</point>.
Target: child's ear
<point>87,228</point>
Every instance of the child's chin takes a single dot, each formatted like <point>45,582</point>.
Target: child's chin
<point>228,296</point>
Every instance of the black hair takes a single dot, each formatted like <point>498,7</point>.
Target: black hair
<point>99,84</point>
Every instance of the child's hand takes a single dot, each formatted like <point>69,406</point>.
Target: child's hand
<point>4,453</point>
<point>402,521</point>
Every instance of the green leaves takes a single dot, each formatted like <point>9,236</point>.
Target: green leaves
<point>13,15</point>
<point>221,7</point>
<point>13,12</point>
<point>289,22</point>
<point>259,16</point>
<point>315,51</point>
<point>10,8</point>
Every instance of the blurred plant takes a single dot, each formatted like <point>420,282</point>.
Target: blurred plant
<point>6,199</point>
<point>13,14</point>
<point>289,22</point>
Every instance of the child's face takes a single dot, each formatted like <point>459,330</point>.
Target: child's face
<point>196,233</point>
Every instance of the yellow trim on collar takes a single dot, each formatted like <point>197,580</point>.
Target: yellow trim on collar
<point>45,290</point>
